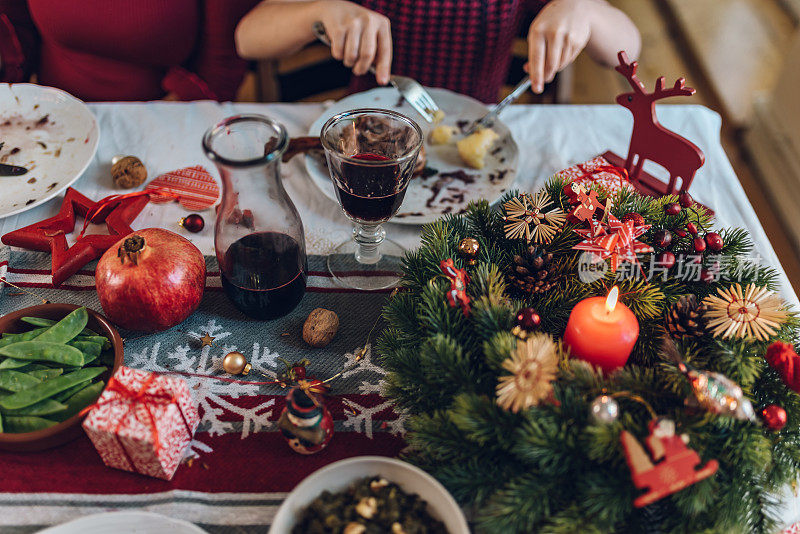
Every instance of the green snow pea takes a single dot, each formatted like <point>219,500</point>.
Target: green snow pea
<point>16,381</point>
<point>39,321</point>
<point>43,351</point>
<point>44,407</point>
<point>20,424</point>
<point>45,374</point>
<point>67,393</point>
<point>90,350</point>
<point>8,339</point>
<point>48,388</point>
<point>67,328</point>
<point>102,340</point>
<point>81,400</point>
<point>11,363</point>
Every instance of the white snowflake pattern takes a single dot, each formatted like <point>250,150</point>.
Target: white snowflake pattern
<point>215,395</point>
<point>211,394</point>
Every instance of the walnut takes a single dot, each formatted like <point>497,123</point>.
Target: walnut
<point>397,528</point>
<point>354,528</point>
<point>128,172</point>
<point>367,507</point>
<point>320,327</point>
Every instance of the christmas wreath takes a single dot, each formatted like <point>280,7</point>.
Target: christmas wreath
<point>538,440</point>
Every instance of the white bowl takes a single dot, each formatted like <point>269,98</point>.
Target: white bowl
<point>339,475</point>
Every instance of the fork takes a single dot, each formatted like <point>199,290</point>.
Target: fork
<point>410,89</point>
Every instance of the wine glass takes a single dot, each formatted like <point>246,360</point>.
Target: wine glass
<point>371,157</point>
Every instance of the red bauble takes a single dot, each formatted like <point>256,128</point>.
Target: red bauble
<point>528,319</point>
<point>637,218</point>
<point>686,200</point>
<point>299,372</point>
<point>666,259</point>
<point>662,238</point>
<point>691,228</point>
<point>774,417</point>
<point>193,223</point>
<point>672,209</point>
<point>150,280</point>
<point>699,244</point>
<point>714,242</point>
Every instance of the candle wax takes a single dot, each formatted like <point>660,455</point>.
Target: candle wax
<point>601,337</point>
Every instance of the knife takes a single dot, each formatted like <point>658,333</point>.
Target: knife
<point>12,170</point>
<point>488,120</point>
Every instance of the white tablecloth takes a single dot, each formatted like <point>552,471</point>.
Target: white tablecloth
<point>166,136</point>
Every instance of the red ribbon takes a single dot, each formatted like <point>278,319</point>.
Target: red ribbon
<point>112,200</point>
<point>783,358</point>
<point>612,169</point>
<point>132,398</point>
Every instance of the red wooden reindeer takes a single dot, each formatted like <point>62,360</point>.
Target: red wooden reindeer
<point>651,141</point>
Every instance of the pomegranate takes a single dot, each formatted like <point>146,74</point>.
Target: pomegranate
<point>150,280</point>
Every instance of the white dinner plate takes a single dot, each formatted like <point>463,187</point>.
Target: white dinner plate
<point>52,134</point>
<point>422,203</point>
<point>125,523</point>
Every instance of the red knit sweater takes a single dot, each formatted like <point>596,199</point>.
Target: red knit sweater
<point>122,49</point>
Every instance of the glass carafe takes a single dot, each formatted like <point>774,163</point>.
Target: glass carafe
<point>258,237</point>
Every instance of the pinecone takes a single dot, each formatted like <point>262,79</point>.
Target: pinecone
<point>685,317</point>
<point>532,272</point>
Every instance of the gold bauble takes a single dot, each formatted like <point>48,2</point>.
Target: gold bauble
<point>235,363</point>
<point>469,248</point>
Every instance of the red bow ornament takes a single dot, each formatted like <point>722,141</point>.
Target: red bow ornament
<point>614,239</point>
<point>783,358</point>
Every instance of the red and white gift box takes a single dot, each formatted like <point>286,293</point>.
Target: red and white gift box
<point>143,422</point>
<point>598,171</point>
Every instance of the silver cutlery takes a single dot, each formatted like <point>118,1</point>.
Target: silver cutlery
<point>487,121</point>
<point>410,89</point>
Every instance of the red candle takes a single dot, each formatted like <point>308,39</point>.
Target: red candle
<point>602,331</point>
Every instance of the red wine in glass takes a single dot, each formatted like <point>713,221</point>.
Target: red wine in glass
<point>265,274</point>
<point>370,192</point>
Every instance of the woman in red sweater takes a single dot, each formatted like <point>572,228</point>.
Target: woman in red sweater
<point>122,50</point>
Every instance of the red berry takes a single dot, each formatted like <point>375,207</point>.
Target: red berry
<point>672,209</point>
<point>774,417</point>
<point>299,372</point>
<point>686,200</point>
<point>637,218</point>
<point>681,233</point>
<point>699,244</point>
<point>662,238</point>
<point>193,222</point>
<point>528,319</point>
<point>691,228</point>
<point>707,275</point>
<point>666,259</point>
<point>714,241</point>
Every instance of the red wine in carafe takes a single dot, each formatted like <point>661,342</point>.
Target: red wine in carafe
<point>265,274</point>
<point>370,193</point>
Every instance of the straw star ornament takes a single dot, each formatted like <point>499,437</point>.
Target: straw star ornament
<point>533,217</point>
<point>533,368</point>
<point>754,312</point>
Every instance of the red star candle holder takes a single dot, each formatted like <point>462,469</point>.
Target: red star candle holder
<point>50,235</point>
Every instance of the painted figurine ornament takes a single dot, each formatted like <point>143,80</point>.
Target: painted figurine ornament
<point>457,295</point>
<point>305,422</point>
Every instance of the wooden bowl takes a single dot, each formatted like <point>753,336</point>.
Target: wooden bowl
<point>71,428</point>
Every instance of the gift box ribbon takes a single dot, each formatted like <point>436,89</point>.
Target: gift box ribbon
<point>133,398</point>
<point>588,170</point>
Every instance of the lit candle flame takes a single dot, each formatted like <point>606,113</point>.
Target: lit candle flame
<point>611,300</point>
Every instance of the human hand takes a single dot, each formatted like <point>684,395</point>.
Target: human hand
<point>556,36</point>
<point>359,37</point>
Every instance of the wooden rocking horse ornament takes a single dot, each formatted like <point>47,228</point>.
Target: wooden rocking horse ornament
<point>651,141</point>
